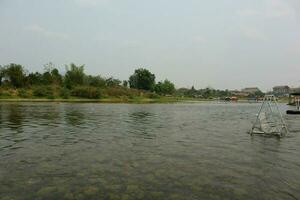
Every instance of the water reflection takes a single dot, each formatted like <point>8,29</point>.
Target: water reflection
<point>141,116</point>
<point>1,113</point>
<point>138,124</point>
<point>74,117</point>
<point>15,117</point>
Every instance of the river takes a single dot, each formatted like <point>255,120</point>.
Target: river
<point>144,151</point>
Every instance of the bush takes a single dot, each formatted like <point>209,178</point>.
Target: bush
<point>23,93</point>
<point>43,91</point>
<point>64,93</point>
<point>5,93</point>
<point>86,92</point>
<point>116,91</point>
<point>153,96</point>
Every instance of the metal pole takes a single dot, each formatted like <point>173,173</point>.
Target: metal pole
<point>281,118</point>
<point>261,107</point>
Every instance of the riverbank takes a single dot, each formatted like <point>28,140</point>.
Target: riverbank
<point>105,100</point>
<point>138,100</point>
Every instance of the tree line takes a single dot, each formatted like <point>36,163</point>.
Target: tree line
<point>76,83</point>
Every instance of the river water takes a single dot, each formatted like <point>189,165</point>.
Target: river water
<point>148,151</point>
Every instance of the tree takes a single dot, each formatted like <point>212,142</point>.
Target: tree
<point>112,82</point>
<point>125,83</point>
<point>208,92</point>
<point>191,92</point>
<point>142,79</point>
<point>96,81</point>
<point>259,94</point>
<point>51,75</point>
<point>166,87</point>
<point>74,75</point>
<point>15,74</point>
<point>1,74</point>
<point>35,78</point>
<point>56,77</point>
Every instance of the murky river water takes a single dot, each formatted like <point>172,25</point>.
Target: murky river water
<point>157,151</point>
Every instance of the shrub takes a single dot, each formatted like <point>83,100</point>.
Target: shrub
<point>23,93</point>
<point>64,93</point>
<point>86,92</point>
<point>43,91</point>
<point>116,91</point>
<point>153,96</point>
<point>5,93</point>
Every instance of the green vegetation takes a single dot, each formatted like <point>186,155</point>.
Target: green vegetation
<point>17,83</point>
<point>142,79</point>
<point>206,93</point>
<point>164,88</point>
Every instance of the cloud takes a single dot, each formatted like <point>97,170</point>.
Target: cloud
<point>46,33</point>
<point>253,33</point>
<point>273,9</point>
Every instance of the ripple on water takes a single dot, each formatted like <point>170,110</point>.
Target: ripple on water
<point>157,151</point>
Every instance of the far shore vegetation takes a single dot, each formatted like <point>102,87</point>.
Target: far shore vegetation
<point>16,83</point>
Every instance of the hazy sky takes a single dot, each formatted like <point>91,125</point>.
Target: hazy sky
<point>218,43</point>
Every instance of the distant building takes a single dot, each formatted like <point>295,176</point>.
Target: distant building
<point>281,90</point>
<point>251,90</point>
<point>295,90</point>
<point>238,93</point>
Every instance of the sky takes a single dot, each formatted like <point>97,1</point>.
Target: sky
<point>223,44</point>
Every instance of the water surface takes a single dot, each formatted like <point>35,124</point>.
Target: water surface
<point>154,151</point>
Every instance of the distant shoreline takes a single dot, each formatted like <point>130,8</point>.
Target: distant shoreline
<point>104,100</point>
<point>129,101</point>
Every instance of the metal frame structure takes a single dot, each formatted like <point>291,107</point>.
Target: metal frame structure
<point>270,119</point>
<point>297,101</point>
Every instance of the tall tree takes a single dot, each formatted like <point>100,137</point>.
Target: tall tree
<point>56,76</point>
<point>51,75</point>
<point>142,79</point>
<point>15,74</point>
<point>125,83</point>
<point>1,74</point>
<point>74,75</point>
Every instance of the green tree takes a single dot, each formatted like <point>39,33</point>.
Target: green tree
<point>191,92</point>
<point>35,78</point>
<point>142,79</point>
<point>166,87</point>
<point>1,74</point>
<point>15,74</point>
<point>125,83</point>
<point>74,75</point>
<point>47,78</point>
<point>112,82</point>
<point>56,77</point>
<point>51,75</point>
<point>96,81</point>
<point>207,93</point>
<point>259,94</point>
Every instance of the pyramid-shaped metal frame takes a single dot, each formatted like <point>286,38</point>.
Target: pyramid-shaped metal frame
<point>269,120</point>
